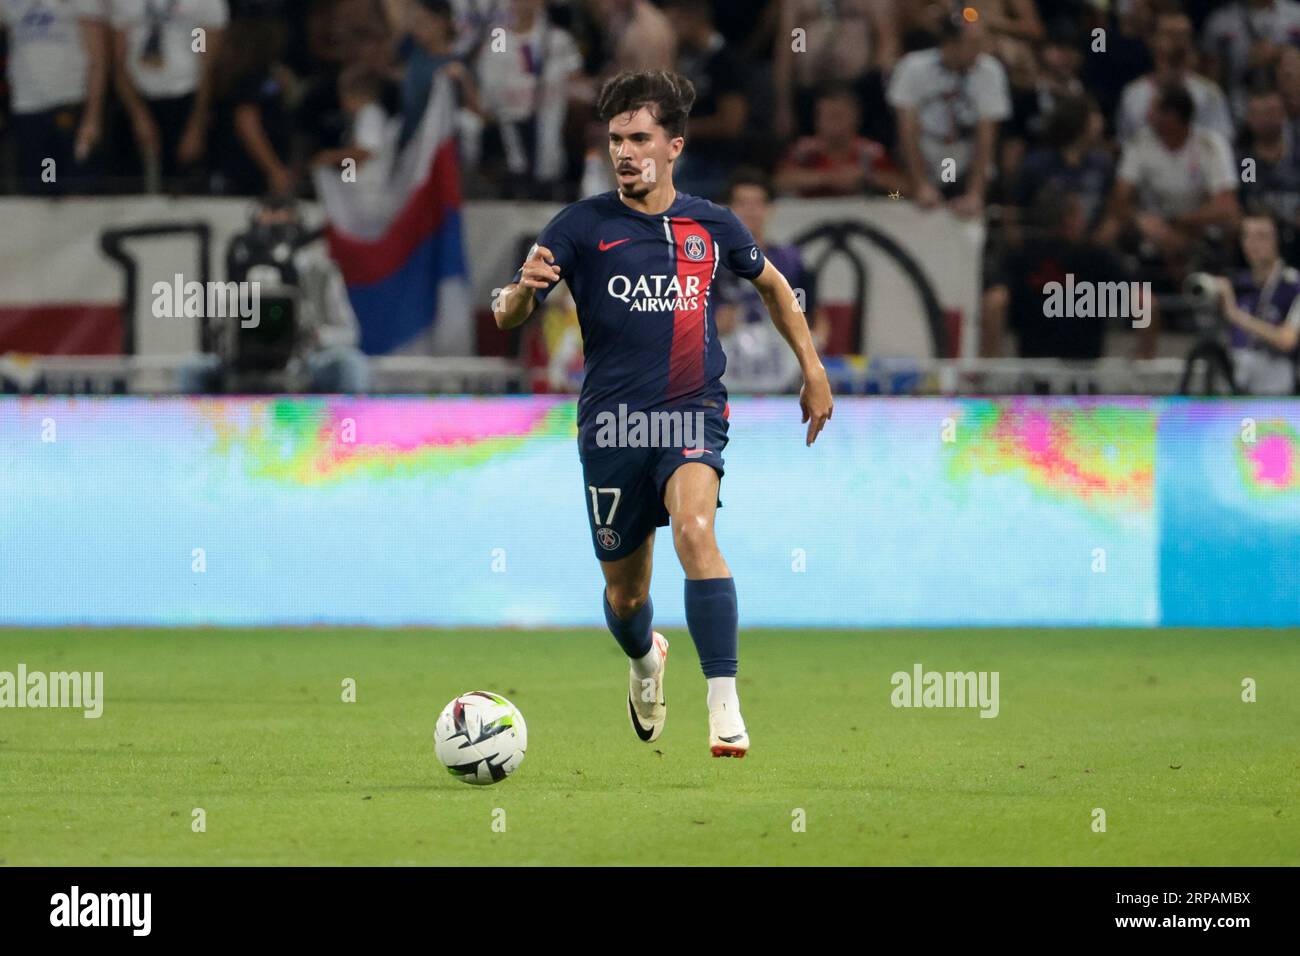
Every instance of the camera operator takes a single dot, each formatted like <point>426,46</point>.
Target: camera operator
<point>306,332</point>
<point>1262,304</point>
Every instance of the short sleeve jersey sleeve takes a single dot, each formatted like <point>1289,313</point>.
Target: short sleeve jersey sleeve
<point>560,236</point>
<point>740,253</point>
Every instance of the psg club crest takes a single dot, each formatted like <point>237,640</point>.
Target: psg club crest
<point>694,247</point>
<point>607,538</point>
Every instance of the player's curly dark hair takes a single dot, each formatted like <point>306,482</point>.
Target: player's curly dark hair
<point>668,96</point>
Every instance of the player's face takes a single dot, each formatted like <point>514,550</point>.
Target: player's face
<point>641,152</point>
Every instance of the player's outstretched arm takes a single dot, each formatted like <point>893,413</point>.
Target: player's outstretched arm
<point>516,302</point>
<point>815,395</point>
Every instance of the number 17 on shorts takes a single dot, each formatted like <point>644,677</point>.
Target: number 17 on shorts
<point>604,508</point>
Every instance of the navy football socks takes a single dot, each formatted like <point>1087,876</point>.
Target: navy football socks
<point>712,618</point>
<point>633,635</point>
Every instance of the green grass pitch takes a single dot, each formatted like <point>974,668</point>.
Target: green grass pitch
<point>249,725</point>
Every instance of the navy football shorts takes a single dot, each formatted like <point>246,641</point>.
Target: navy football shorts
<point>625,485</point>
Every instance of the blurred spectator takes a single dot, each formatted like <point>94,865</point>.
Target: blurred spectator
<point>1014,29</point>
<point>720,111</point>
<point>1176,186</point>
<point>1072,160</point>
<point>1262,304</point>
<point>523,79</point>
<point>950,101</point>
<point>633,35</point>
<point>1288,82</point>
<point>292,265</point>
<point>319,122</point>
<point>1057,77</point>
<point>919,24</point>
<point>252,142</point>
<point>473,19</point>
<point>748,25</point>
<point>369,126</point>
<point>57,73</point>
<point>1174,55</point>
<point>550,345</point>
<point>1125,28</point>
<point>426,50</point>
<point>371,140</point>
<point>852,42</point>
<point>1270,142</point>
<point>835,160</point>
<point>1244,38</point>
<point>1016,296</point>
<point>164,76</point>
<point>758,359</point>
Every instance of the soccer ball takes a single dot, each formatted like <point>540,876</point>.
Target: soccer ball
<point>480,737</point>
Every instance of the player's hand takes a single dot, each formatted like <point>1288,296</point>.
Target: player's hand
<point>816,402</point>
<point>539,270</point>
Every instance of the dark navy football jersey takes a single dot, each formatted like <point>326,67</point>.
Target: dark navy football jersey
<point>644,288</point>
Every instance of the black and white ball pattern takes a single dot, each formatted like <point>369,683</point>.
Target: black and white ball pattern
<point>480,737</point>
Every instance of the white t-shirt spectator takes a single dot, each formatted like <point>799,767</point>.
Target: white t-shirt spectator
<point>530,78</point>
<point>160,55</point>
<point>1211,106</point>
<point>1175,182</point>
<point>949,105</point>
<point>47,57</point>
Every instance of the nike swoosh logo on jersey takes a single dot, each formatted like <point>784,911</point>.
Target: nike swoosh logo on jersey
<point>605,246</point>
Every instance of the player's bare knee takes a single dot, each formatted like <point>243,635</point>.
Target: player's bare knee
<point>693,537</point>
<point>626,601</point>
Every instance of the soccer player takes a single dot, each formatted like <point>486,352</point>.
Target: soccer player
<point>640,262</point>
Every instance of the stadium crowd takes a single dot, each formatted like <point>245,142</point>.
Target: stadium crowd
<point>1127,139</point>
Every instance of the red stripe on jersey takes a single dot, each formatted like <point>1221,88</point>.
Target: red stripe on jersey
<point>686,362</point>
